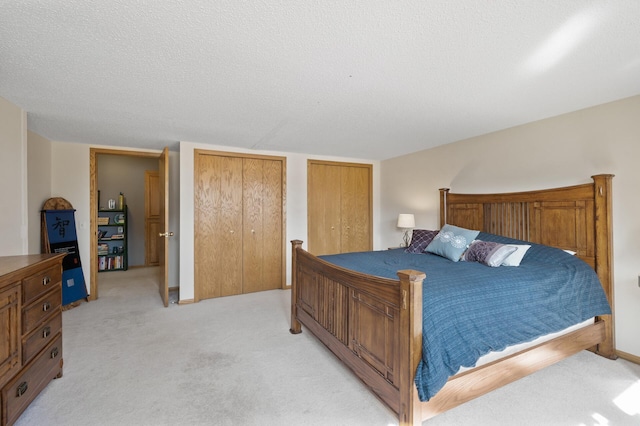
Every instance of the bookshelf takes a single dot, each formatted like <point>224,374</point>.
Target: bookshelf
<point>112,240</point>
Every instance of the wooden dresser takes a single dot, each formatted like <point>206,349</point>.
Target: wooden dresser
<point>30,329</point>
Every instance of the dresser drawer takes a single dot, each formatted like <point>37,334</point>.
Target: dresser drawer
<point>19,392</point>
<point>43,307</point>
<point>41,337</point>
<point>37,284</point>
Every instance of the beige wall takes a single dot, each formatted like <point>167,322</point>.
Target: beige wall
<point>14,216</point>
<point>39,184</point>
<point>559,151</point>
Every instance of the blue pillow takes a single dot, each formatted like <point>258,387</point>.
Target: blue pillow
<point>451,242</point>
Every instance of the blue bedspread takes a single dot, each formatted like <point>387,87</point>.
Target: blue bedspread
<point>470,309</point>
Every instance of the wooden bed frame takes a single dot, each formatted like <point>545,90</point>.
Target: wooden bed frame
<point>374,325</point>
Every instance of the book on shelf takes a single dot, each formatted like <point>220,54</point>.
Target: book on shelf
<point>106,263</point>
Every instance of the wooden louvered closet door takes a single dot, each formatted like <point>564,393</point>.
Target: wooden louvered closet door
<point>239,222</point>
<point>339,204</point>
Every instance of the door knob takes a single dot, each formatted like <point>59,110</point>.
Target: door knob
<point>165,234</point>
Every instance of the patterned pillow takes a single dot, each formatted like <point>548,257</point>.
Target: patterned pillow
<point>451,242</point>
<point>420,240</point>
<point>488,253</point>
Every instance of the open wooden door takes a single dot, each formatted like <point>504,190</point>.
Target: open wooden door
<point>164,234</point>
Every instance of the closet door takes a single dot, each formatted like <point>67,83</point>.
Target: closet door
<point>218,226</point>
<point>355,209</point>
<point>262,229</point>
<point>339,203</point>
<point>239,223</point>
<point>324,208</point>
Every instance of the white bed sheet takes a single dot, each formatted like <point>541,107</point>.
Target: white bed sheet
<point>493,356</point>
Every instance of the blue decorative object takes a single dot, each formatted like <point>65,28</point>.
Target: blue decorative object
<point>62,237</point>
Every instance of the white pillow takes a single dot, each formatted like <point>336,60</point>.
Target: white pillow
<point>571,252</point>
<point>515,258</point>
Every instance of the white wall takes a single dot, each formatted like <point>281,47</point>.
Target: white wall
<point>559,151</point>
<point>296,205</point>
<point>39,185</point>
<point>14,218</point>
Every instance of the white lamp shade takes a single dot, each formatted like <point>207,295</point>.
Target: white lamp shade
<point>406,221</point>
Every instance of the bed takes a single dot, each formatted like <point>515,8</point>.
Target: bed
<point>374,324</point>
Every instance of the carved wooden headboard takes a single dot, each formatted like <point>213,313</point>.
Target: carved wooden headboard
<point>576,218</point>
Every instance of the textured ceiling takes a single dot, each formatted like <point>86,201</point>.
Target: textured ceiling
<point>367,79</point>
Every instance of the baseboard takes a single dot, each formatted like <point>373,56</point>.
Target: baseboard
<point>185,301</point>
<point>629,357</point>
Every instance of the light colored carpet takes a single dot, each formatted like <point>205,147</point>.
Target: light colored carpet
<point>232,361</point>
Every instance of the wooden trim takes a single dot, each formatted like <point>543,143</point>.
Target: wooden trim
<point>93,208</point>
<point>339,163</point>
<point>239,155</point>
<point>284,223</point>
<point>629,357</point>
<point>186,301</point>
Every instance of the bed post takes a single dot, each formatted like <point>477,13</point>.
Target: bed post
<point>410,413</point>
<point>443,206</point>
<point>296,327</point>
<point>604,255</point>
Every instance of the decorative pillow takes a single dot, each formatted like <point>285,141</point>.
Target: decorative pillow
<point>515,258</point>
<point>420,240</point>
<point>451,242</point>
<point>488,253</point>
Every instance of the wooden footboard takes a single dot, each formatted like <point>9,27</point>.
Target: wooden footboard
<point>374,325</point>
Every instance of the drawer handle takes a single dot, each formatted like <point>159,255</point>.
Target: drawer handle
<point>46,306</point>
<point>46,280</point>
<point>22,389</point>
<point>46,332</point>
<point>54,352</point>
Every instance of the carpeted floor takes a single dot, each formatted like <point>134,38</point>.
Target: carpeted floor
<point>232,361</point>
